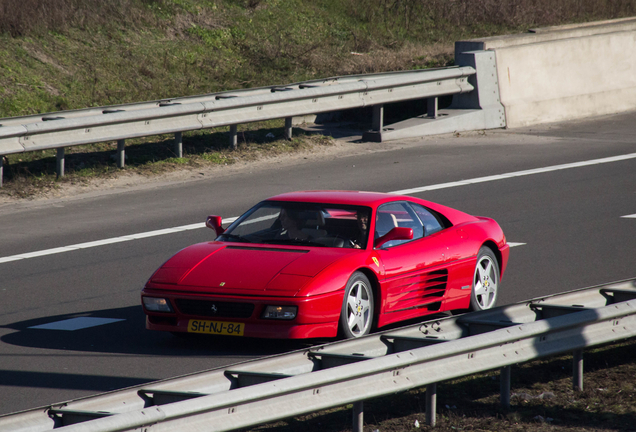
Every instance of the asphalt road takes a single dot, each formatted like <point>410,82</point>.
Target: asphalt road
<point>571,221</point>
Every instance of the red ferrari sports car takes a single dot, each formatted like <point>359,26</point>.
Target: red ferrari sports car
<point>328,263</point>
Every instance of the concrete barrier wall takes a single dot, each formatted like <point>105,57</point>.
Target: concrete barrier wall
<point>564,73</point>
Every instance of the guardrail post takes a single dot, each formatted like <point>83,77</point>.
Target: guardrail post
<point>577,370</point>
<point>121,153</point>
<point>358,416</point>
<point>431,404</point>
<point>233,134</point>
<point>59,162</point>
<point>288,128</point>
<point>504,386</point>
<point>377,122</point>
<point>431,107</point>
<point>178,144</point>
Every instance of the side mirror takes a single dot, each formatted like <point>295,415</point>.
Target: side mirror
<point>214,222</point>
<point>397,233</point>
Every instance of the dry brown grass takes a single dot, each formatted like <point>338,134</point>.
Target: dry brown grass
<point>380,59</point>
<point>25,17</point>
<point>511,13</point>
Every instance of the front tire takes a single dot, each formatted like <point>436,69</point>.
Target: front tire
<point>485,281</point>
<point>356,316</point>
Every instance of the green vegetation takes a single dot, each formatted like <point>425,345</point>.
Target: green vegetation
<point>74,54</point>
<point>82,53</point>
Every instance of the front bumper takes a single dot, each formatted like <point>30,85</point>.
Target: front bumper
<point>317,315</point>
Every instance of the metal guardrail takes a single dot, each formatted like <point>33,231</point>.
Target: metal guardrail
<point>121,122</point>
<point>260,391</point>
<point>474,107</point>
<point>210,97</point>
<point>178,115</point>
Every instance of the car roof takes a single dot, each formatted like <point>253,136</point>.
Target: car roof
<point>371,199</point>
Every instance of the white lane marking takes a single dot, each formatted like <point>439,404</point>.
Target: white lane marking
<point>401,192</point>
<point>107,241</point>
<point>511,244</point>
<point>73,324</point>
<point>630,216</point>
<point>517,174</point>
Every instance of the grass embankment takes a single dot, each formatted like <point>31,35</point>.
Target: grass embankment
<point>542,400</point>
<point>82,53</point>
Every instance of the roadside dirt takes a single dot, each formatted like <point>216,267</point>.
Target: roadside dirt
<point>347,144</point>
<point>124,180</point>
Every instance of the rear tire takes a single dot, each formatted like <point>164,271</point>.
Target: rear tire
<point>356,316</point>
<point>485,281</point>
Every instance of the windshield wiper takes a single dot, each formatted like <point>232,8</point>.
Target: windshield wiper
<point>234,237</point>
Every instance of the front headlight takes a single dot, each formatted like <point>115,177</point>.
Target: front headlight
<point>280,312</point>
<point>155,304</point>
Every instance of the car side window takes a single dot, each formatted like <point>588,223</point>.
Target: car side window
<point>429,219</point>
<point>398,214</point>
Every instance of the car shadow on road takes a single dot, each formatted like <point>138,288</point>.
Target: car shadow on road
<point>129,336</point>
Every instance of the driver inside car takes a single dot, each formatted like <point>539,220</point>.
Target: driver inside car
<point>290,225</point>
<point>360,240</point>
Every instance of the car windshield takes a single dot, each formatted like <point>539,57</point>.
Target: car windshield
<point>312,224</point>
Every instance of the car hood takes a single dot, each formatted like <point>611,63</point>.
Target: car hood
<point>232,268</point>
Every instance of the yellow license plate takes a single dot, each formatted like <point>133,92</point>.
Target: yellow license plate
<point>216,327</point>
